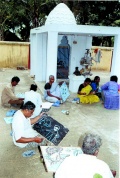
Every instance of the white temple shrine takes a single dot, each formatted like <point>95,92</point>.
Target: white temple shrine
<point>61,34</point>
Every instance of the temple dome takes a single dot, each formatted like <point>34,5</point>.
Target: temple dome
<point>61,14</point>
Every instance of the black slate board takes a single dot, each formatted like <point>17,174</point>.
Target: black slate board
<point>51,129</point>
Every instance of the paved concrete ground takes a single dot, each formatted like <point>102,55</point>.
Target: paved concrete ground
<point>82,118</point>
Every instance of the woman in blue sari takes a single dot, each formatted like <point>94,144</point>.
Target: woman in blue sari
<point>95,86</point>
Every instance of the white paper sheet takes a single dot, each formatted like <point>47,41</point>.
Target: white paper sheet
<point>46,105</point>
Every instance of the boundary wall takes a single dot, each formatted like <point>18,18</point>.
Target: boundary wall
<point>13,54</point>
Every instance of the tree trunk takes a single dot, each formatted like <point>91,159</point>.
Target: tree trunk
<point>1,35</point>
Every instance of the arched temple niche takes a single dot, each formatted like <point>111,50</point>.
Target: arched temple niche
<point>63,58</point>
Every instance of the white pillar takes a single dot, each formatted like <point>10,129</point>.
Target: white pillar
<point>39,60</point>
<point>40,65</point>
<point>44,56</point>
<point>115,69</point>
<point>51,67</point>
<point>33,53</point>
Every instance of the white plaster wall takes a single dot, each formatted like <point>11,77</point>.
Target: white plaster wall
<point>74,55</point>
<point>88,42</point>
<point>59,39</point>
<point>78,51</point>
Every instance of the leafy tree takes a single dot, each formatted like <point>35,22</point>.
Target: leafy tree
<point>101,13</point>
<point>20,16</point>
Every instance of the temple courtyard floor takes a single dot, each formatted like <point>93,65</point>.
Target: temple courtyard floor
<point>83,118</point>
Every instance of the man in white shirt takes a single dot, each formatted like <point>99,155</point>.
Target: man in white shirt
<point>85,165</point>
<point>35,98</point>
<point>23,133</point>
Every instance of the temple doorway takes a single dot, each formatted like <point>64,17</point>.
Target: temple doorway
<point>63,55</point>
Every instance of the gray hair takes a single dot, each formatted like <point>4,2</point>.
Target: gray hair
<point>51,76</point>
<point>91,144</point>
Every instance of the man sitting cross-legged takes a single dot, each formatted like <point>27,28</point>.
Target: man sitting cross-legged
<point>8,94</point>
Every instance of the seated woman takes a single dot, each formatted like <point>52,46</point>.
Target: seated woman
<point>95,86</point>
<point>86,94</point>
<point>110,93</point>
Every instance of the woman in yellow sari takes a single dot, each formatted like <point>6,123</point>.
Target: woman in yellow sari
<point>86,94</point>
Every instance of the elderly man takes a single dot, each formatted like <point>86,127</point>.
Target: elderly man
<point>8,93</point>
<point>23,133</point>
<point>85,165</point>
<point>52,90</point>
